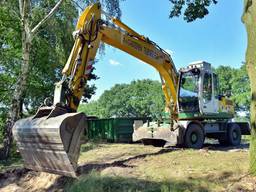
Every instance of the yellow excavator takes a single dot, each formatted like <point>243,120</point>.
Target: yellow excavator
<point>50,140</point>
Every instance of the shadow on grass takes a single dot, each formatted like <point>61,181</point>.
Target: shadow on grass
<point>94,182</point>
<point>87,168</point>
<point>218,147</point>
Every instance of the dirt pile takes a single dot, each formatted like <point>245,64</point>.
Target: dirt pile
<point>19,180</point>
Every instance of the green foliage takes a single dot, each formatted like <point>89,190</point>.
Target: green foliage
<point>141,98</point>
<point>235,81</point>
<point>194,9</point>
<point>49,51</point>
<point>241,88</point>
<point>10,50</point>
<point>225,75</point>
<point>92,108</point>
<point>2,120</point>
<point>111,6</point>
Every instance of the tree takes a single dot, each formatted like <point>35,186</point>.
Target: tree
<point>225,75</point>
<point>248,19</point>
<point>28,32</point>
<point>241,89</point>
<point>236,82</point>
<point>194,10</point>
<point>198,9</point>
<point>28,17</point>
<point>141,98</point>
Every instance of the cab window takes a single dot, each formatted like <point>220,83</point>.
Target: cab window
<point>216,86</point>
<point>207,86</point>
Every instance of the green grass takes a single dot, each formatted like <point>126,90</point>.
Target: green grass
<point>246,138</point>
<point>96,182</point>
<point>14,161</point>
<point>11,163</point>
<point>124,167</point>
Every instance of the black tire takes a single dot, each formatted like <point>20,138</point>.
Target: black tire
<point>194,137</point>
<point>234,134</point>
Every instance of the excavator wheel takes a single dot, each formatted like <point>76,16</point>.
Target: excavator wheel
<point>194,137</point>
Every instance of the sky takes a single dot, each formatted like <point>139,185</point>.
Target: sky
<point>219,38</point>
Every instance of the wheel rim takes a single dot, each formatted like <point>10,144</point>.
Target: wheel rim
<point>194,138</point>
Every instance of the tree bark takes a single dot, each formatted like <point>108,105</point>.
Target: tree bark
<point>21,85</point>
<point>248,19</point>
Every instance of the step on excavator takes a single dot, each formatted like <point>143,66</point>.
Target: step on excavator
<point>50,140</point>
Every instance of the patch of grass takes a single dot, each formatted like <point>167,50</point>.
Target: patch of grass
<point>12,162</point>
<point>89,146</point>
<point>96,182</point>
<point>214,170</point>
<point>107,152</point>
<point>246,138</point>
<point>126,167</point>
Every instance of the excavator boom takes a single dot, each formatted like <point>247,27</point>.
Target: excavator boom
<point>50,140</point>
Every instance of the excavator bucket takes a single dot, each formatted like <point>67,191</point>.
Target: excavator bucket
<point>50,141</point>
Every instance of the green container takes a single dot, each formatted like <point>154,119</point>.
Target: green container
<point>118,130</point>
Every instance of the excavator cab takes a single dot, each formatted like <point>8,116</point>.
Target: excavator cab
<point>198,93</point>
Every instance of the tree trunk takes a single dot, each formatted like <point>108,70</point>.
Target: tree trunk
<point>248,19</point>
<point>17,101</point>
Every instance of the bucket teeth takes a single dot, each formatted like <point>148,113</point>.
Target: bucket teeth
<point>51,144</point>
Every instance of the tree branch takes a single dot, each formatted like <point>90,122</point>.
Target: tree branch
<point>21,8</point>
<point>53,10</point>
<point>77,4</point>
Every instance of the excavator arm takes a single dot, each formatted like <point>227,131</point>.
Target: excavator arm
<point>50,140</point>
<point>91,30</point>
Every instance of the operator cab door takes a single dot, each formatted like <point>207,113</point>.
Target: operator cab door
<point>209,94</point>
